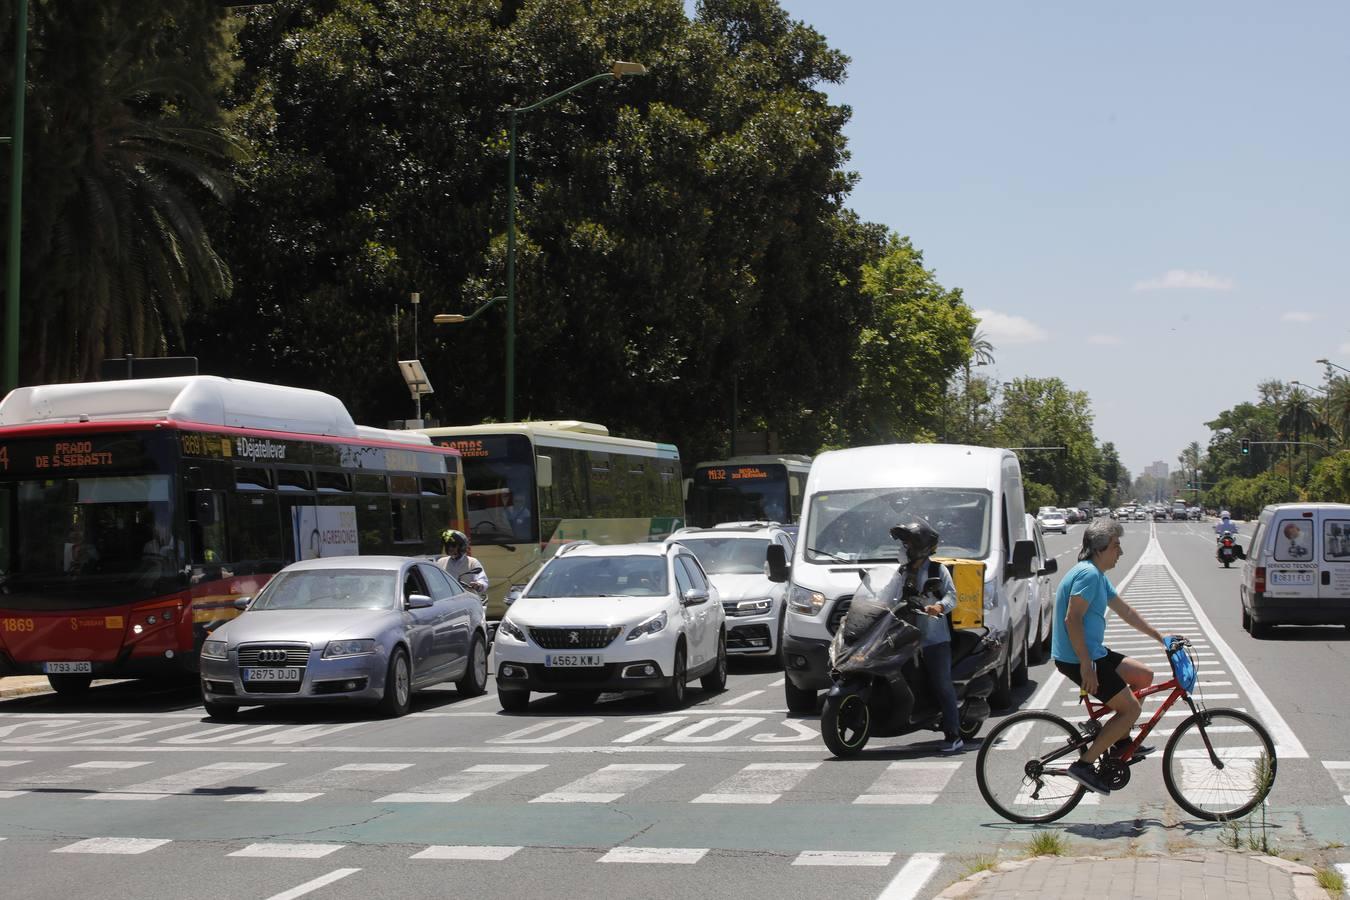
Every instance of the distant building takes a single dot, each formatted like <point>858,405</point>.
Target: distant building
<point>1158,470</point>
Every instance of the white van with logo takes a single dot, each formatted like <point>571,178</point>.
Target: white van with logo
<point>972,496</point>
<point>1297,570</point>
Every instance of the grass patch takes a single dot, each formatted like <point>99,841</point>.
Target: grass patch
<point>1332,845</point>
<point>980,864</point>
<point>1332,881</point>
<point>1048,843</point>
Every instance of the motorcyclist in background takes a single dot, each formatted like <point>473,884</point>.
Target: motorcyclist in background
<point>457,561</point>
<point>1225,524</point>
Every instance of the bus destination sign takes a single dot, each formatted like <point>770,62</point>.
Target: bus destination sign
<point>46,457</point>
<point>469,449</point>
<point>736,473</point>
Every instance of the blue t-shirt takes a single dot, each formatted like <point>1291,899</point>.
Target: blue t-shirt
<point>1087,581</point>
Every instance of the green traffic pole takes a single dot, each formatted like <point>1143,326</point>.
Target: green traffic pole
<point>511,274</point>
<point>15,197</point>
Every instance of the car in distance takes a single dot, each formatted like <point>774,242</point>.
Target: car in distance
<point>347,629</point>
<point>619,617</point>
<point>1052,519</point>
<point>734,556</point>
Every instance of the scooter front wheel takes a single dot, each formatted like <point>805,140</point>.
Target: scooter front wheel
<point>845,723</point>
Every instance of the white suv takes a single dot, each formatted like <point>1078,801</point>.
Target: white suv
<point>733,554</point>
<point>626,617</point>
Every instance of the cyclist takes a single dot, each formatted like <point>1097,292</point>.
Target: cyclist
<point>1079,650</point>
<point>457,561</point>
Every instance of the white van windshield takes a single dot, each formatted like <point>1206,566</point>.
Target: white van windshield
<point>854,526</point>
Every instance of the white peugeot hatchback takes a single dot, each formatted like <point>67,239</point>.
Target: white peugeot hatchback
<point>626,617</point>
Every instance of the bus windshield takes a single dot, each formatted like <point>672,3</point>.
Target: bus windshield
<point>738,493</point>
<point>854,526</point>
<point>499,489</point>
<point>87,541</point>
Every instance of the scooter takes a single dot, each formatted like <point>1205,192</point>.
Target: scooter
<point>880,686</point>
<point>1228,548</point>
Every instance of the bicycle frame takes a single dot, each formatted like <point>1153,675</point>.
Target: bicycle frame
<point>1097,710</point>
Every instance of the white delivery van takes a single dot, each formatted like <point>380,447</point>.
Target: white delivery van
<point>1297,570</point>
<point>972,496</point>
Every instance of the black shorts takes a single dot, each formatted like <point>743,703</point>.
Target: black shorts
<point>1109,682</point>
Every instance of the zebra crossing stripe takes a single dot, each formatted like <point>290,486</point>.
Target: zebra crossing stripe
<point>278,850</point>
<point>313,884</point>
<point>672,855</point>
<point>1340,773</point>
<point>911,878</point>
<point>465,853</point>
<point>760,783</point>
<point>842,858</point>
<point>124,846</point>
<point>455,787</point>
<point>909,783</point>
<point>608,784</point>
<point>184,782</point>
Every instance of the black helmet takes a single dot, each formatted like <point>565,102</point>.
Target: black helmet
<point>918,536</point>
<point>455,540</point>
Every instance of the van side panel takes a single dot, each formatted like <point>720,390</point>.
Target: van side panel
<point>1334,578</point>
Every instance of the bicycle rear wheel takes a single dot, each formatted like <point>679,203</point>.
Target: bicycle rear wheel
<point>1241,780</point>
<point>1021,764</point>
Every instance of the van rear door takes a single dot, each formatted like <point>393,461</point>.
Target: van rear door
<point>1334,577</point>
<point>1293,566</point>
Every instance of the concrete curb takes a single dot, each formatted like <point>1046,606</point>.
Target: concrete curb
<point>971,882</point>
<point>24,687</point>
<point>1305,877</point>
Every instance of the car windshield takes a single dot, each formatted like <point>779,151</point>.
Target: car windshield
<point>854,526</point>
<point>601,576</point>
<point>729,556</point>
<point>329,589</point>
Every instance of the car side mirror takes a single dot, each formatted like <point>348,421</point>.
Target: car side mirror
<point>1051,567</point>
<point>776,557</point>
<point>242,603</point>
<point>1020,564</point>
<point>419,601</point>
<point>932,586</point>
<point>693,597</point>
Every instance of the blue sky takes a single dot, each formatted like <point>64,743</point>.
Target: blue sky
<point>1150,201</point>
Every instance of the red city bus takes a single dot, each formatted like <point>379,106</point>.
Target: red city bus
<point>134,513</point>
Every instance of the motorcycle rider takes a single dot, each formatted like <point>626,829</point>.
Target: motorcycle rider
<point>1225,524</point>
<point>457,561</point>
<point>920,541</point>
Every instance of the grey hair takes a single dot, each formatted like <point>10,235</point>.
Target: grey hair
<point>1097,536</point>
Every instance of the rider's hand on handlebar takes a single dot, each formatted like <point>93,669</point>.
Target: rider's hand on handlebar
<point>933,609</point>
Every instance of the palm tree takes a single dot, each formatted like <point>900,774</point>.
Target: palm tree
<point>120,248</point>
<point>981,354</point>
<point>1338,410</point>
<point>1297,418</point>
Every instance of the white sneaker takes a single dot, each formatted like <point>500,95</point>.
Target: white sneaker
<point>954,747</point>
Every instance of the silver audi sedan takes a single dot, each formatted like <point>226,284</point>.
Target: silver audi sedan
<point>352,629</point>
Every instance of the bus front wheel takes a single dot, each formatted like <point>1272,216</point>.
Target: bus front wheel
<point>70,685</point>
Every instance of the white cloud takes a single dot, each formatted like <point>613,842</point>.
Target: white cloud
<point>1301,317</point>
<point>1187,280</point>
<point>1001,328</point>
<point>1345,348</point>
<point>1109,340</point>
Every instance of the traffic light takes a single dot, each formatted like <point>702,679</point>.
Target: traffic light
<point>1246,446</point>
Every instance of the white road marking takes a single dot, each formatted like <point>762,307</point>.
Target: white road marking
<point>344,777</point>
<point>125,846</point>
<point>112,764</point>
<point>676,855</point>
<point>911,878</point>
<point>278,850</point>
<point>10,795</point>
<point>758,783</point>
<point>274,797</point>
<point>608,784</point>
<point>373,767</point>
<point>1340,773</point>
<point>1344,869</point>
<point>6,763</point>
<point>742,698</point>
<point>313,885</point>
<point>184,782</point>
<point>842,858</point>
<point>453,788</point>
<point>482,854</point>
<point>908,782</point>
<point>778,683</point>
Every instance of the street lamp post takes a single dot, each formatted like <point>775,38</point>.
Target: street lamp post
<point>618,70</point>
<point>1327,362</point>
<point>15,197</point>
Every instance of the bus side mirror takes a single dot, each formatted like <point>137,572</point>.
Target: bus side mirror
<point>544,471</point>
<point>1023,553</point>
<point>776,557</point>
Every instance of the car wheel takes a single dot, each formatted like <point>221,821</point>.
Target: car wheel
<point>70,685</point>
<point>716,681</point>
<point>1020,673</point>
<point>672,695</point>
<point>799,700</point>
<point>513,699</point>
<point>1260,630</point>
<point>1002,695</point>
<point>221,712</point>
<point>1246,620</point>
<point>474,682</point>
<point>397,698</point>
<point>1036,652</point>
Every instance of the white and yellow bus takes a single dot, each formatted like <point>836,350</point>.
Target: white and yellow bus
<point>530,487</point>
<point>745,488</point>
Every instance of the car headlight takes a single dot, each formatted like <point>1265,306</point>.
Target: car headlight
<point>348,648</point>
<point>752,607</point>
<point>511,629</point>
<point>651,626</point>
<point>214,649</point>
<point>808,603</point>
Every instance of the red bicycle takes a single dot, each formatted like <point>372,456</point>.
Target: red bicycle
<point>1217,764</point>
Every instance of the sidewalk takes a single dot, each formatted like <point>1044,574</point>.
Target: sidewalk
<point>22,685</point>
<point>1200,875</point>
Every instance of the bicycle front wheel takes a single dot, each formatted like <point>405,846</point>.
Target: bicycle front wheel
<point>1233,780</point>
<point>1021,764</point>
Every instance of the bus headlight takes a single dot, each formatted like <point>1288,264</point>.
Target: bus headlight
<point>808,603</point>
<point>214,649</point>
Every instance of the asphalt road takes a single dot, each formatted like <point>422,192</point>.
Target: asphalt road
<point>730,796</point>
